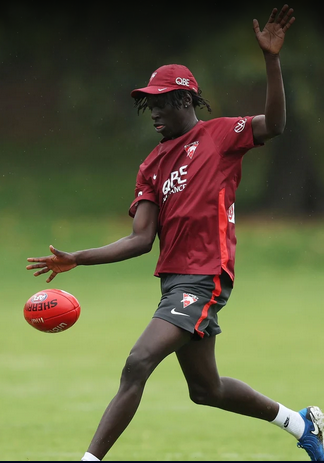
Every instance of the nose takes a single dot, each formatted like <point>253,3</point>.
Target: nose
<point>154,113</point>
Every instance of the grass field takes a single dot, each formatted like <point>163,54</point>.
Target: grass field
<point>55,387</point>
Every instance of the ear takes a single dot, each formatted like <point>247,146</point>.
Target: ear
<point>187,100</point>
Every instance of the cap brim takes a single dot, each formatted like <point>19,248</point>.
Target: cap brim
<point>152,90</point>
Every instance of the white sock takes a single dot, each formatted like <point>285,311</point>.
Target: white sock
<point>290,421</point>
<point>89,457</point>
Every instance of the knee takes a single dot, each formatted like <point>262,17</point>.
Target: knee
<point>199,397</point>
<point>136,368</point>
<point>202,395</point>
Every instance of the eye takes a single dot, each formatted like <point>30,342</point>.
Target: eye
<point>156,102</point>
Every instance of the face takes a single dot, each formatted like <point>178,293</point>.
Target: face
<point>169,121</point>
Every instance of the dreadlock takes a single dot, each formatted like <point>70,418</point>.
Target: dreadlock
<point>174,99</point>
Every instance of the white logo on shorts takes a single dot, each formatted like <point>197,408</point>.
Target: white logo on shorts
<point>188,299</point>
<point>179,313</point>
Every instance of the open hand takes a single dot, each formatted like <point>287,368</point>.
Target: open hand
<point>58,262</point>
<point>271,38</point>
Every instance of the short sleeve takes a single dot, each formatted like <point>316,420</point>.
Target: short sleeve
<point>239,135</point>
<point>143,191</point>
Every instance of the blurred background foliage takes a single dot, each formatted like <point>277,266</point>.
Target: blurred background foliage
<point>70,146</point>
<point>71,140</point>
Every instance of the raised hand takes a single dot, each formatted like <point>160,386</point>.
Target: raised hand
<point>271,38</point>
<point>58,262</point>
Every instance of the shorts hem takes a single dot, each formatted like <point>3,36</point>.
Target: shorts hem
<point>191,331</point>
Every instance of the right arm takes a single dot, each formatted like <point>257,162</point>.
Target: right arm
<point>139,242</point>
<point>271,39</point>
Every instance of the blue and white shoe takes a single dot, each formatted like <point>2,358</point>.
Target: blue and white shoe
<point>312,439</point>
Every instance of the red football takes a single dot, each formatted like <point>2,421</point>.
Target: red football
<point>52,310</point>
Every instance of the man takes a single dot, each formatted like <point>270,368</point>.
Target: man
<point>185,194</point>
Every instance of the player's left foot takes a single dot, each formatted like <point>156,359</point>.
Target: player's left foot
<point>312,439</point>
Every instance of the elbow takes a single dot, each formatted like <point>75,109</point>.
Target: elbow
<point>279,129</point>
<point>276,130</point>
<point>147,247</point>
<point>276,133</point>
<point>142,243</point>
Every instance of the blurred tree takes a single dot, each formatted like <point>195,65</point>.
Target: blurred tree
<point>295,177</point>
<point>66,74</point>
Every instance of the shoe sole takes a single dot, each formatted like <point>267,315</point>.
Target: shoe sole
<point>318,421</point>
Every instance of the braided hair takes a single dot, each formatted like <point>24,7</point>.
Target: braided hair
<point>174,98</point>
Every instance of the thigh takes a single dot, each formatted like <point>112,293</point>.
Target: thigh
<point>198,361</point>
<point>158,340</point>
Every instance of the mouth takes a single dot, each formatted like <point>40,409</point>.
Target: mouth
<point>159,127</point>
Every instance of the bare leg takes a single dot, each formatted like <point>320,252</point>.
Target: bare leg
<point>159,339</point>
<point>206,387</point>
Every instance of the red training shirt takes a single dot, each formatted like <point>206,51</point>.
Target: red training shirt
<point>193,180</point>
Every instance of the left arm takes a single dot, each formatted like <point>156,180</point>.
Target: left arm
<point>271,39</point>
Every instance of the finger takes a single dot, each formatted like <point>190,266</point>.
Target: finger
<point>256,26</point>
<point>289,23</point>
<point>53,250</point>
<point>282,12</point>
<point>40,272</point>
<point>285,18</point>
<point>50,278</point>
<point>273,15</point>
<point>32,267</point>
<point>37,259</point>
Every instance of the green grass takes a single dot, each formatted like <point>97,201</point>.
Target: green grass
<point>55,387</point>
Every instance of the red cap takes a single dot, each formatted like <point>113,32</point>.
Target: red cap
<point>167,78</point>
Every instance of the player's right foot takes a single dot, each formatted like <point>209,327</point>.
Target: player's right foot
<point>312,439</point>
